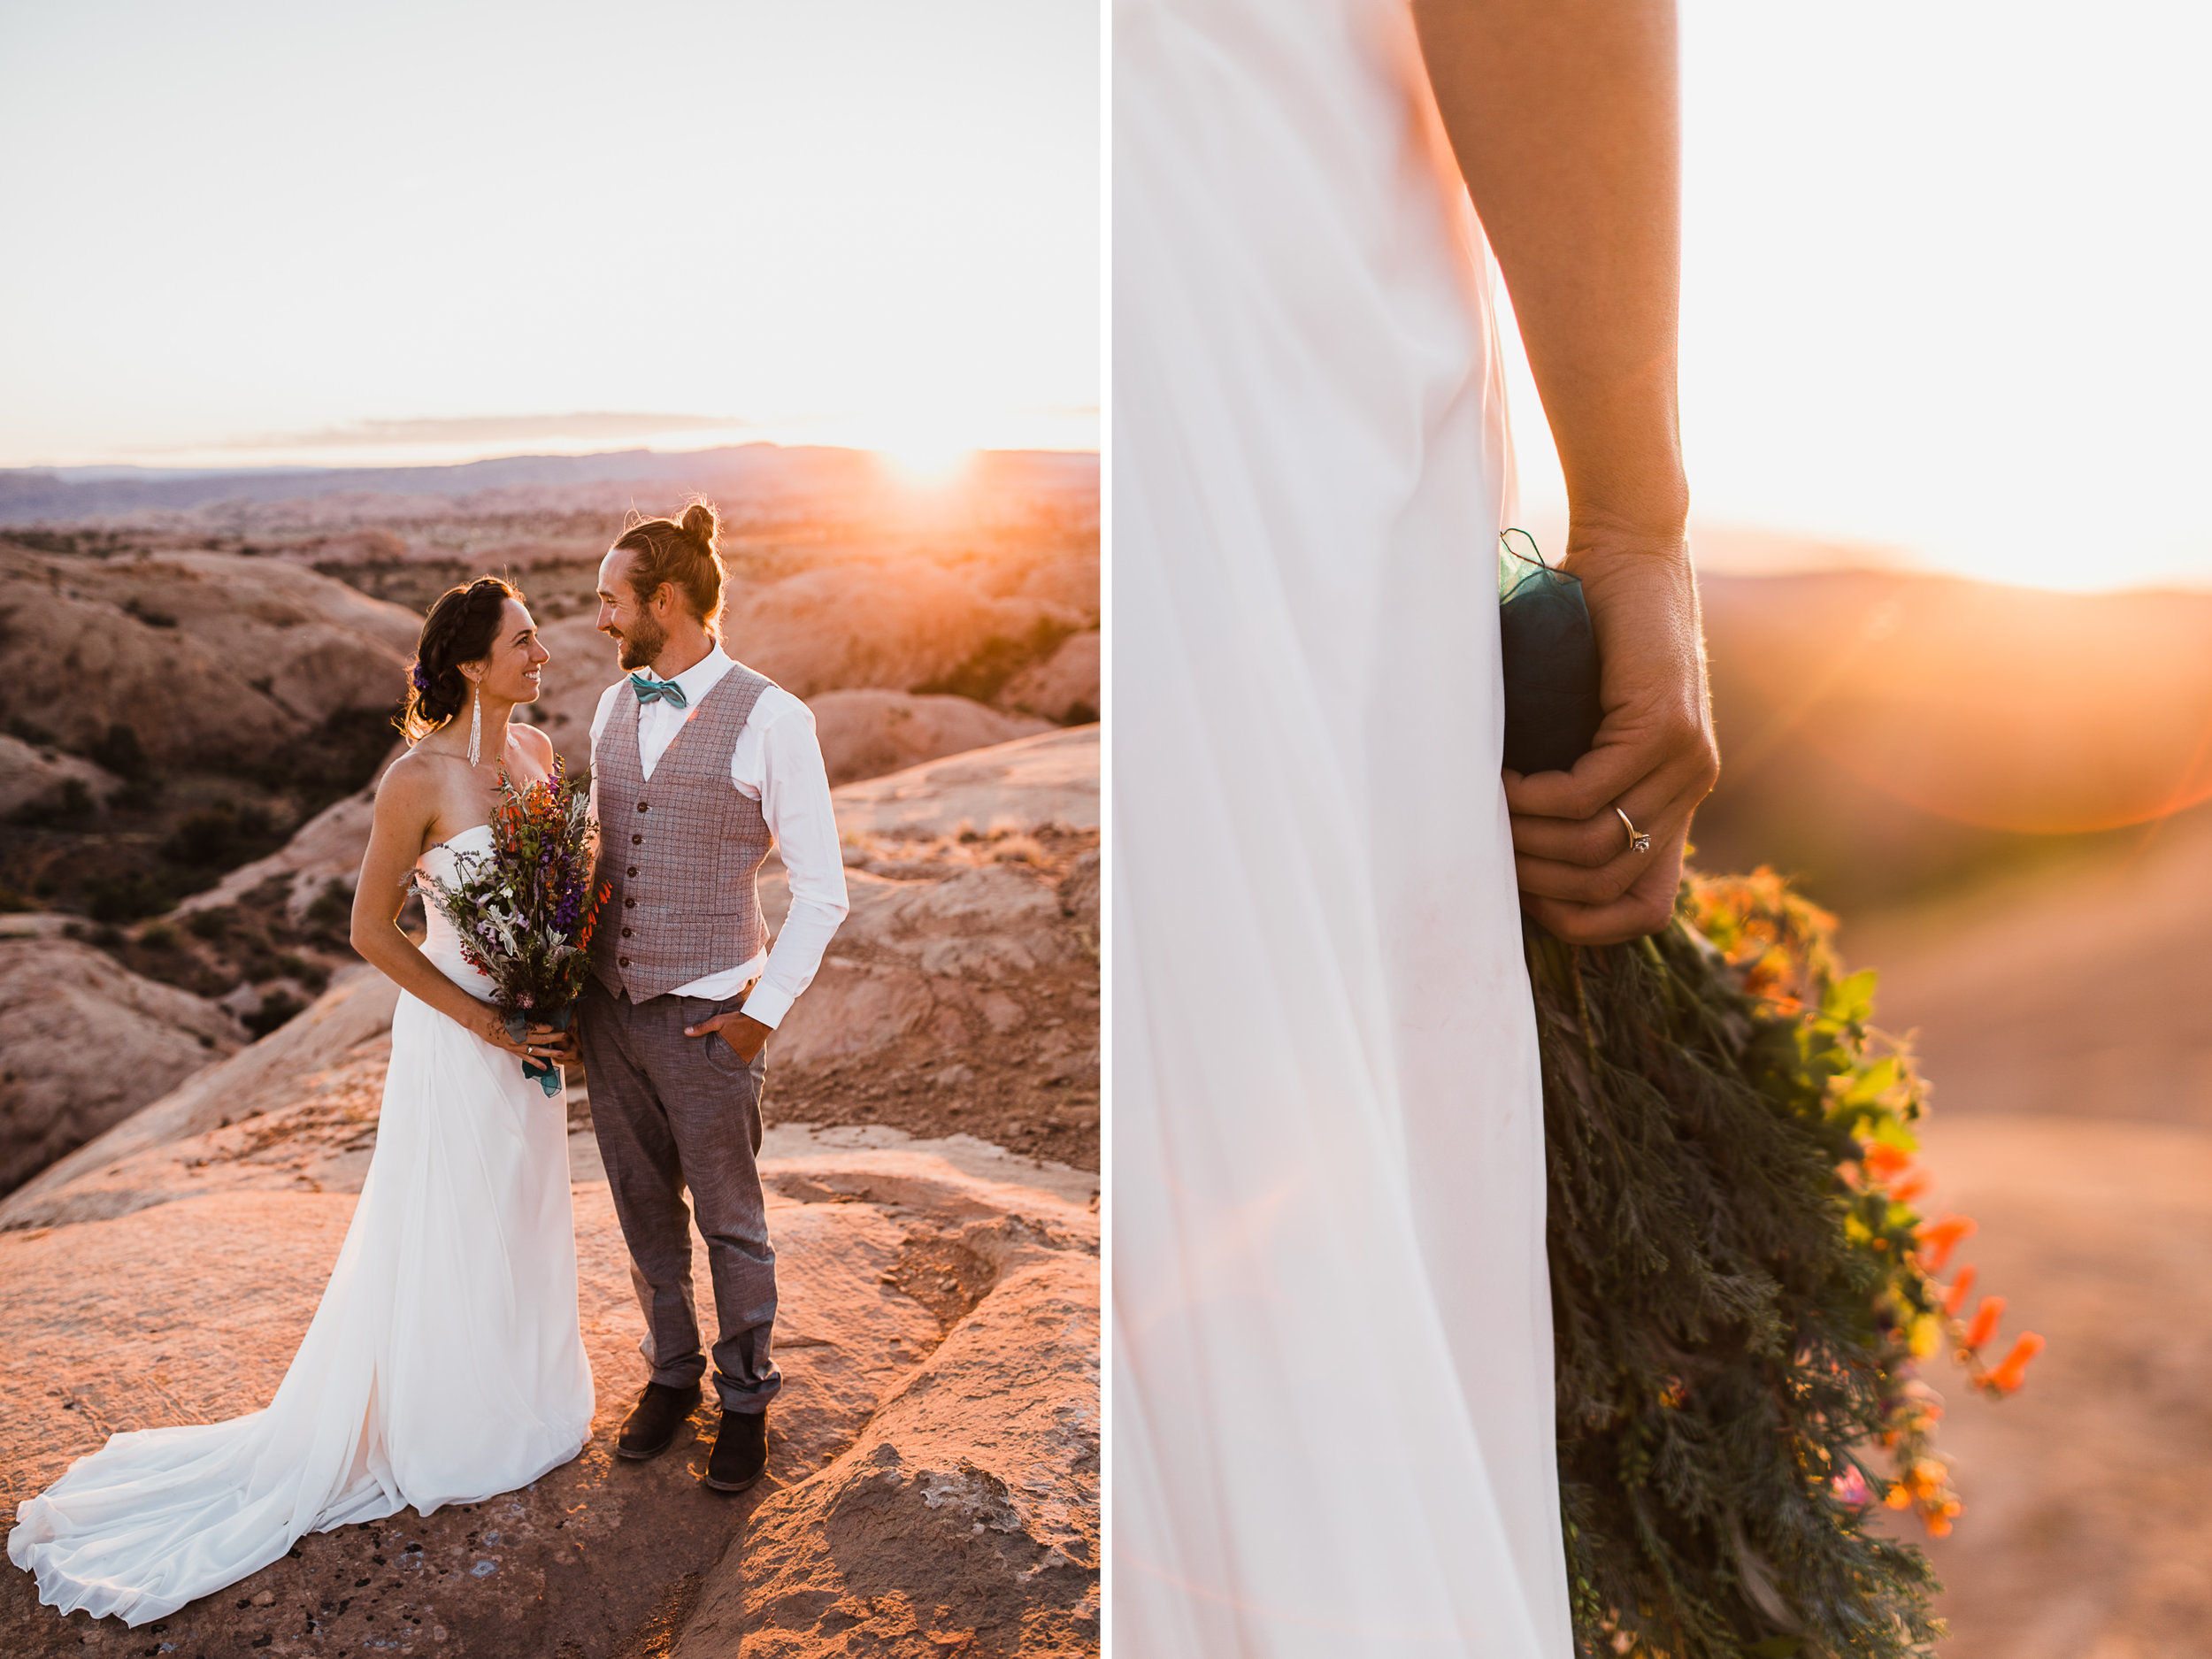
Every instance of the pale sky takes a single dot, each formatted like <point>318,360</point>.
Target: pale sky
<point>1947,282</point>
<point>233,230</point>
<point>1945,262</point>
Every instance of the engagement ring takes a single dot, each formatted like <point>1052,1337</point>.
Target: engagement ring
<point>1638,843</point>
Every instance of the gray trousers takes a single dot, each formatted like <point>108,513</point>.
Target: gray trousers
<point>672,1113</point>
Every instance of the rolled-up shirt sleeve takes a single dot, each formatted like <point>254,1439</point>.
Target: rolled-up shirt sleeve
<point>794,799</point>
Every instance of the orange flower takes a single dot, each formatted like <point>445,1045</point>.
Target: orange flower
<point>1939,1239</point>
<point>1910,1187</point>
<point>1960,1287</point>
<point>1986,1318</point>
<point>2009,1374</point>
<point>1885,1161</point>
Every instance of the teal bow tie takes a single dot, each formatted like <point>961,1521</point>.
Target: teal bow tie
<point>651,690</point>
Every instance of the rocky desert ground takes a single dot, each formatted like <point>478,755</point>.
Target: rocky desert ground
<point>193,1062</point>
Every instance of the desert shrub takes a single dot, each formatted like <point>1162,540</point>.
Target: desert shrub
<point>1019,849</point>
<point>68,807</point>
<point>208,924</point>
<point>131,896</point>
<point>23,730</point>
<point>94,544</point>
<point>313,975</point>
<point>222,837</point>
<point>138,797</point>
<point>330,917</point>
<point>121,752</point>
<point>11,900</point>
<point>330,763</point>
<point>158,936</point>
<point>997,660</point>
<point>256,958</point>
<point>1079,713</point>
<point>276,1008</point>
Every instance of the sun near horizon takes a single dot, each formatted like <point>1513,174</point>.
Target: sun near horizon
<point>304,236</point>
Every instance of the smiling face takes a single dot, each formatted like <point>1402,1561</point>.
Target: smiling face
<point>639,629</point>
<point>510,670</point>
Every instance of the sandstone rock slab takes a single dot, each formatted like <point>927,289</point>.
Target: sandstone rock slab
<point>87,1043</point>
<point>30,773</point>
<point>307,1064</point>
<point>1064,687</point>
<point>865,733</point>
<point>211,657</point>
<point>897,626</point>
<point>965,1518</point>
<point>1030,784</point>
<point>326,848</point>
<point>878,1254</point>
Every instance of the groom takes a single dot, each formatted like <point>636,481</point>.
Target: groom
<point>698,766</point>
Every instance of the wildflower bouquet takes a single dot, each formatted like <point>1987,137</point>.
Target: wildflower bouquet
<point>1742,1290</point>
<point>524,911</point>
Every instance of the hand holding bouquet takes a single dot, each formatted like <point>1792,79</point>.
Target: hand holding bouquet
<point>525,911</point>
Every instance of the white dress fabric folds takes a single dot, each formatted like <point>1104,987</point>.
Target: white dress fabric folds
<point>1331,1377</point>
<point>444,1364</point>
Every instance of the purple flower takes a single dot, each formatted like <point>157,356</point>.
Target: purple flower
<point>421,680</point>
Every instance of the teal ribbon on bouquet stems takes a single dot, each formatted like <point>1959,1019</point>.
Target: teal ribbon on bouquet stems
<point>547,1075</point>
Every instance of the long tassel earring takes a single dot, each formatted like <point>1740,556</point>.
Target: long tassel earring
<point>476,724</point>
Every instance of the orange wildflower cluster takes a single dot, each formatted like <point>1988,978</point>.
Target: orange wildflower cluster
<point>1969,1338</point>
<point>1780,946</point>
<point>1921,1312</point>
<point>1776,939</point>
<point>1924,1485</point>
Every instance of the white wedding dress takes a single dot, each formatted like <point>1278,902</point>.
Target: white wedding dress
<point>443,1366</point>
<point>1331,1376</point>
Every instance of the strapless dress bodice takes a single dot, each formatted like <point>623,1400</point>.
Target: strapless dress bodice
<point>443,942</point>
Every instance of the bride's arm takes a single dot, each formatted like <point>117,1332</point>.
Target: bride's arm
<point>405,806</point>
<point>1562,114</point>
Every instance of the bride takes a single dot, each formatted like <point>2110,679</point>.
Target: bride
<point>444,1364</point>
<point>1332,1404</point>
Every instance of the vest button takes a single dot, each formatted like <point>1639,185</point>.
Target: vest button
<point>629,904</point>
<point>624,961</point>
<point>626,933</point>
<point>633,870</point>
<point>642,807</point>
<point>634,840</point>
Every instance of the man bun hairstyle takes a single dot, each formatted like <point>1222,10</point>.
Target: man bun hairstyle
<point>460,628</point>
<point>680,553</point>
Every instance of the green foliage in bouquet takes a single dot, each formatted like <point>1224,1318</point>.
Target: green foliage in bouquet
<point>1741,1288</point>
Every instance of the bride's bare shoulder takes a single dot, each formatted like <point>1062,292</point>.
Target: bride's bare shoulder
<point>535,743</point>
<point>411,785</point>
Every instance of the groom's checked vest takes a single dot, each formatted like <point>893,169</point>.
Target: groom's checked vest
<point>681,852</point>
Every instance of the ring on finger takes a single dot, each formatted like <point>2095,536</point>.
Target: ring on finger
<point>1638,841</point>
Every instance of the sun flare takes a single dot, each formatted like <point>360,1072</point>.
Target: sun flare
<point>927,459</point>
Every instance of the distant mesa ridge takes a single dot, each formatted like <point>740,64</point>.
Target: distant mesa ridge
<point>39,495</point>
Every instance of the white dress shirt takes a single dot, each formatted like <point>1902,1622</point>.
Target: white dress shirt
<point>778,763</point>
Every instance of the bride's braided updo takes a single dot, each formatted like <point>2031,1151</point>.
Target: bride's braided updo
<point>460,628</point>
<point>681,553</point>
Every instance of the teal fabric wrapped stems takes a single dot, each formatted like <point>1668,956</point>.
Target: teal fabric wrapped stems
<point>547,1075</point>
<point>1548,650</point>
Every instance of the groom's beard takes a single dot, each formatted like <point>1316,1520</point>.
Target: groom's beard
<point>642,643</point>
